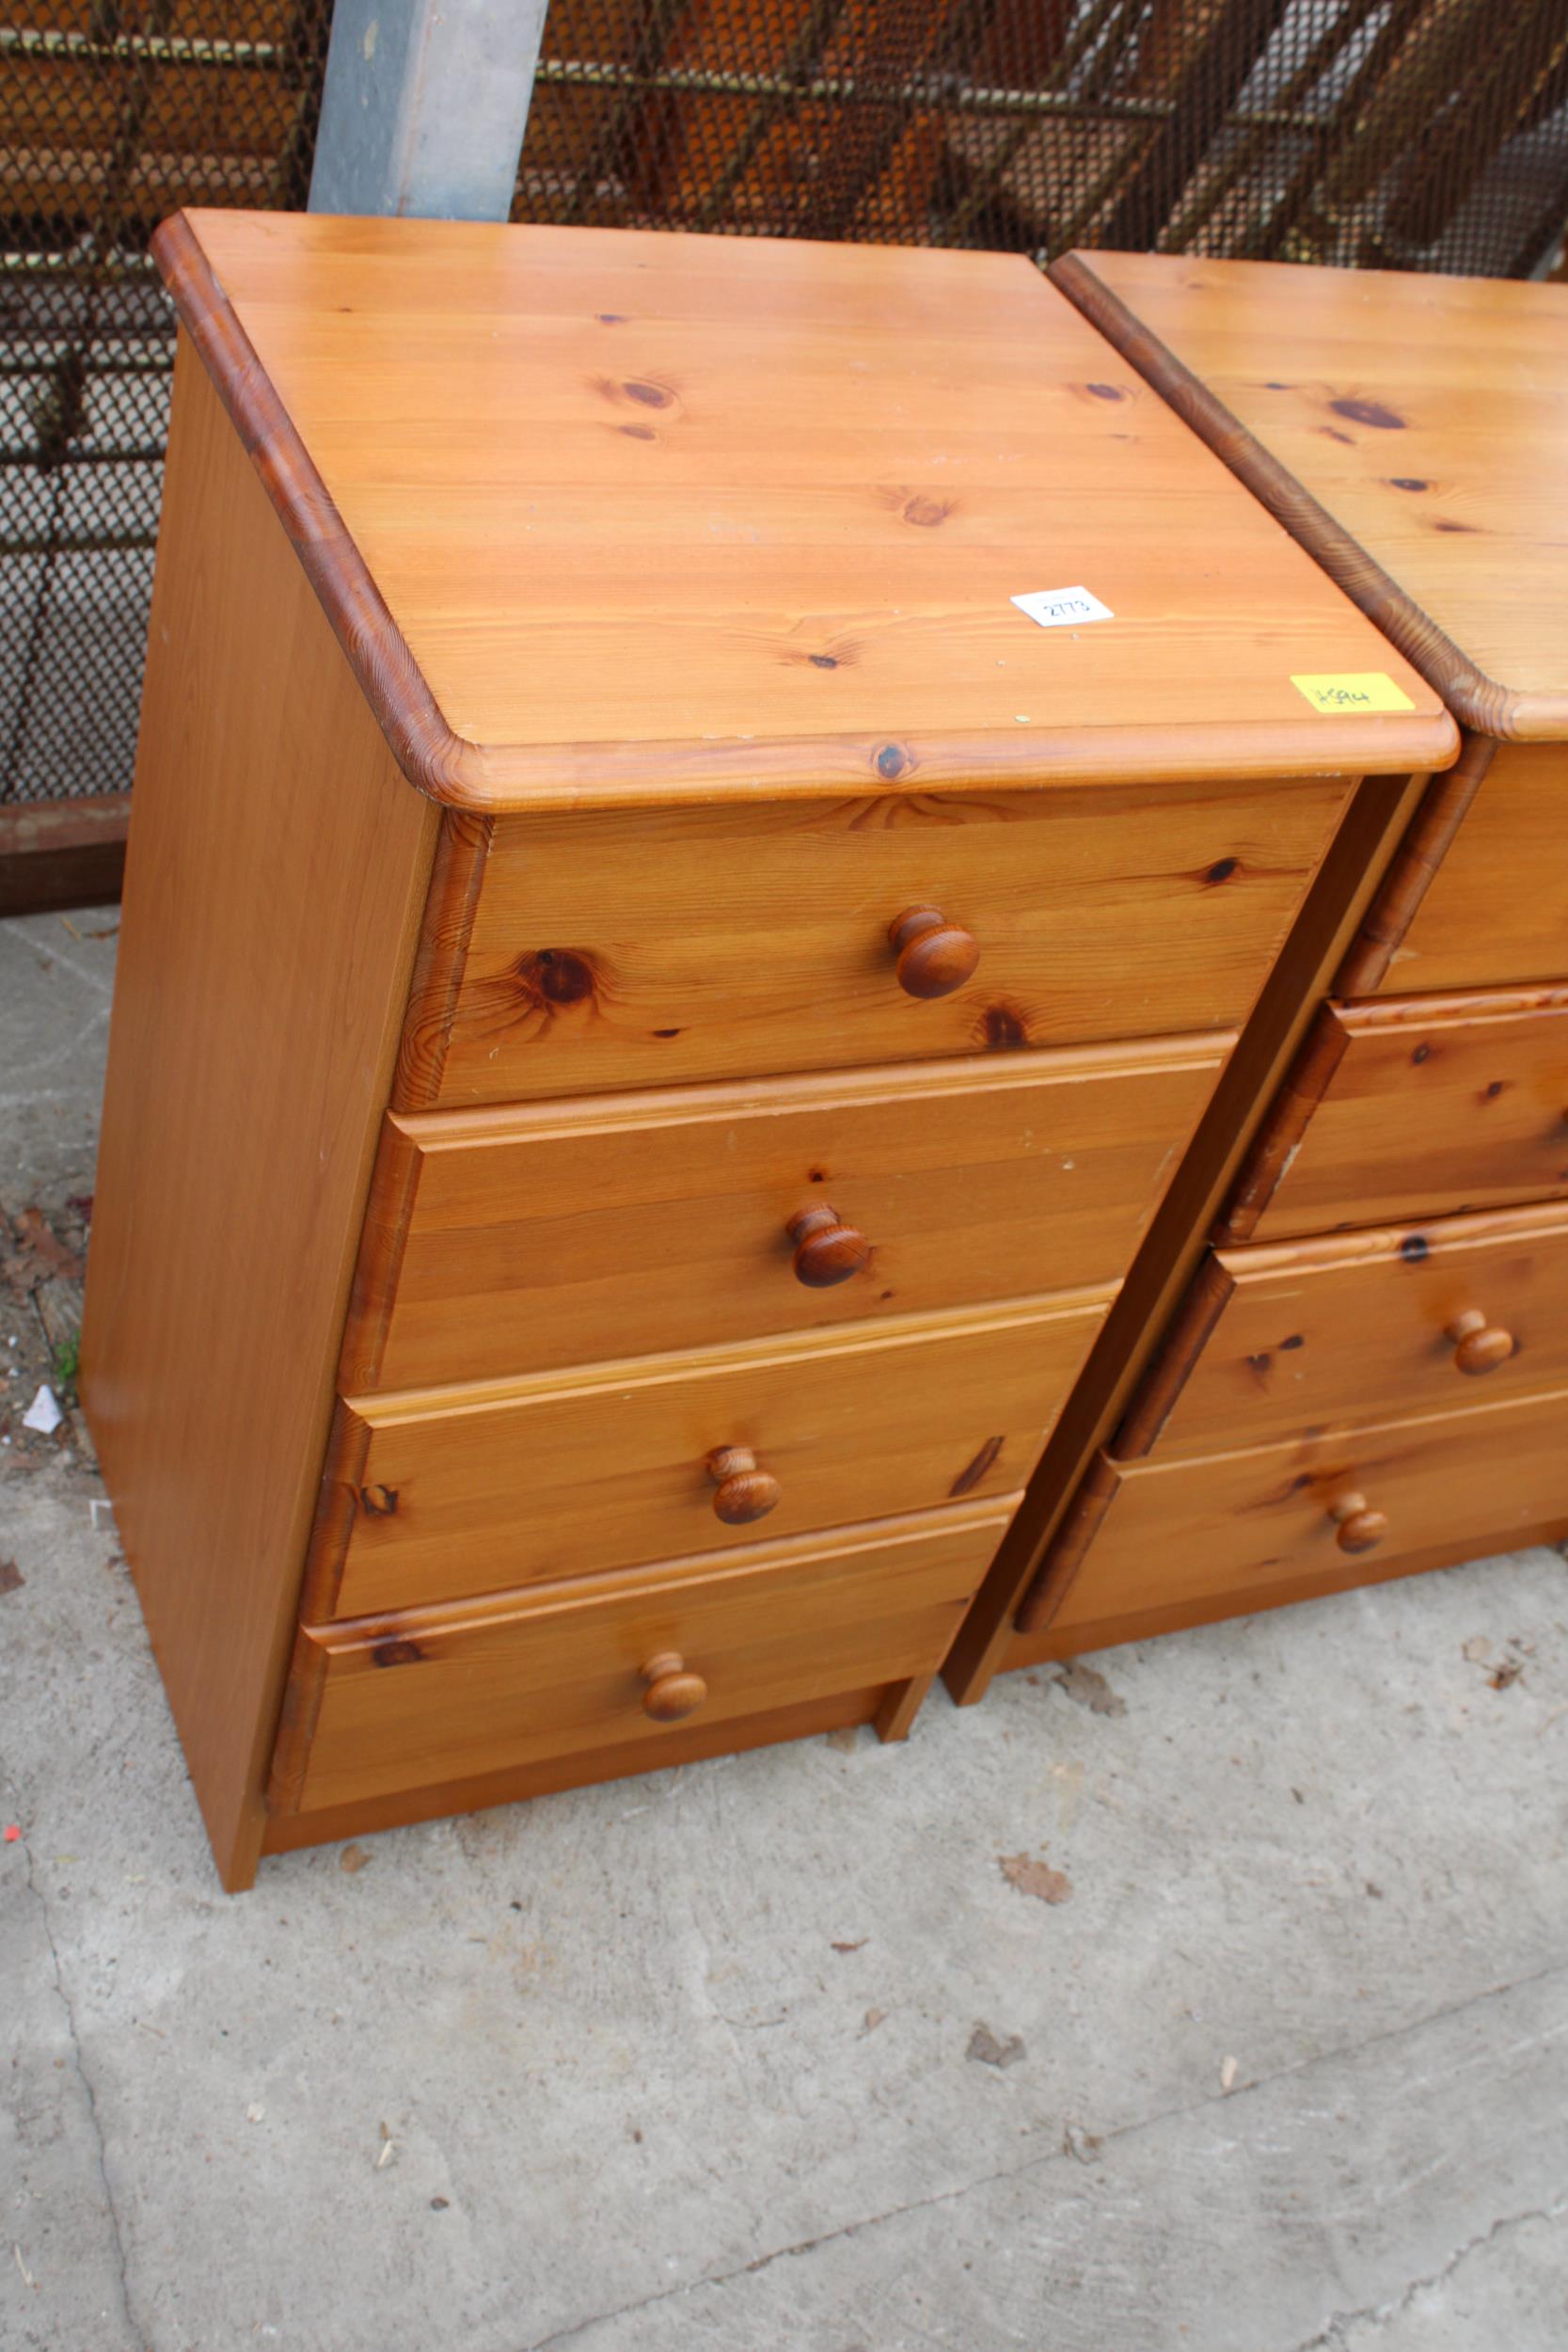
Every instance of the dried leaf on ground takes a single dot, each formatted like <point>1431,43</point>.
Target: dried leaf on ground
<point>987,2051</point>
<point>853,1947</point>
<point>1090,1689</point>
<point>352,1858</point>
<point>1228,2072</point>
<point>11,1577</point>
<point>874,2018</point>
<point>844,1738</point>
<point>36,1238</point>
<point>1509,1672</point>
<point>1032,1876</point>
<point>1476,1648</point>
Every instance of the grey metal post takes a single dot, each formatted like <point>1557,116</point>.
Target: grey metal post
<point>424,107</point>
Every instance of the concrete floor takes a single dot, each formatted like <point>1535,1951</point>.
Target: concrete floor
<point>708,2060</point>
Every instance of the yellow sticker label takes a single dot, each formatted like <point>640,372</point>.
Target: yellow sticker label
<point>1355,689</point>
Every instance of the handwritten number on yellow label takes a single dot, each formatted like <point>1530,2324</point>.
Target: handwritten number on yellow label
<point>1354,689</point>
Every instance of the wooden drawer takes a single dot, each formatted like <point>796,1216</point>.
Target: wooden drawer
<point>1414,1107</point>
<point>511,1241</point>
<point>629,950</point>
<point>1280,1341</point>
<point>1497,908</point>
<point>1179,1540</point>
<point>438,1493</point>
<point>440,1695</point>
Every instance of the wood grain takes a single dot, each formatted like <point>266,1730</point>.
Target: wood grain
<point>1496,910</point>
<point>1448,799</point>
<point>510,1240</point>
<point>608,516</point>
<point>1431,1107</point>
<point>1287,1116</point>
<point>1404,427</point>
<point>690,1742</point>
<point>433,1494</point>
<point>1171,1249</point>
<point>462,849</point>
<point>621,951</point>
<point>1075,1533</point>
<point>396,692</point>
<point>1195,1609</point>
<point>1307,1335</point>
<point>239,1125</point>
<point>1455,1485</point>
<point>430,1695</point>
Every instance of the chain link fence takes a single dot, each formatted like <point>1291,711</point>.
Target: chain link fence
<point>1390,133</point>
<point>111,115</point>
<point>1393,134</point>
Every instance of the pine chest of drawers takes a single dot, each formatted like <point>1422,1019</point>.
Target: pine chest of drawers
<point>1369,1375</point>
<point>657,1001</point>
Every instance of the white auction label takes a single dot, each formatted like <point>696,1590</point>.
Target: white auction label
<point>1063,607</point>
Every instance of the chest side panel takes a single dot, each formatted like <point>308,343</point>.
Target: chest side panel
<point>276,877</point>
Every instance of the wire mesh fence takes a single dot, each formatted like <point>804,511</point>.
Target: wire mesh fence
<point>1396,133</point>
<point>110,117</point>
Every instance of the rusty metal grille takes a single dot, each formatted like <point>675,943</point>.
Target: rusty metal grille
<point>1396,133</point>
<point>1405,134</point>
<point>110,117</point>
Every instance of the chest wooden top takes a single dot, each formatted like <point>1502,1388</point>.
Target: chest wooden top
<point>609,516</point>
<point>1412,431</point>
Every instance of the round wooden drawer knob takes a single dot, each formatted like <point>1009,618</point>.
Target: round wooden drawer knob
<point>744,1492</point>
<point>826,1249</point>
<point>673,1690</point>
<point>935,956</point>
<point>1361,1529</point>
<point>1478,1346</point>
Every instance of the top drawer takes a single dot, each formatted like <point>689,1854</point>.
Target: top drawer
<point>627,950</point>
<point>1423,1106</point>
<point>1497,909</point>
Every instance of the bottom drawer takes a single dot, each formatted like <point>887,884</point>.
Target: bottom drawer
<point>433,1695</point>
<point>1164,1543</point>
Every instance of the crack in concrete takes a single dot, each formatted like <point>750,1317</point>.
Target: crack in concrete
<point>1395,2033</point>
<point>1332,2336</point>
<point>780,2253</point>
<point>1057,2154</point>
<point>135,2334</point>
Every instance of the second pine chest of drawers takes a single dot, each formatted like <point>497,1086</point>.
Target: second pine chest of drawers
<point>1368,1376</point>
